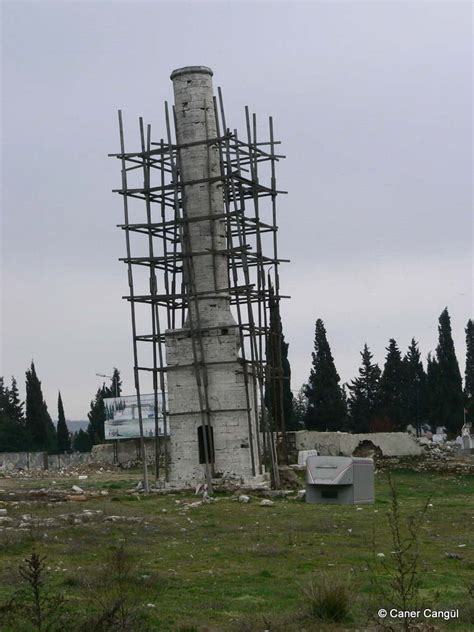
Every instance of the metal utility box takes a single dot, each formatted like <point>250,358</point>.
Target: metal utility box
<point>341,480</point>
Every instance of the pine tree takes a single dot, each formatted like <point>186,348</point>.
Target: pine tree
<point>414,388</point>
<point>14,406</point>
<point>278,395</point>
<point>3,396</point>
<point>449,397</point>
<point>64,439</point>
<point>326,409</point>
<point>38,422</point>
<point>13,435</point>
<point>391,390</point>
<point>363,391</point>
<point>469,372</point>
<point>82,441</point>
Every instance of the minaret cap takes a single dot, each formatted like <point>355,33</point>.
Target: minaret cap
<point>203,70</point>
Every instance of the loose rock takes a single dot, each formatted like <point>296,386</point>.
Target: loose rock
<point>77,498</point>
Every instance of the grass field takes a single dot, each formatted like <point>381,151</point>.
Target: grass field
<point>231,566</point>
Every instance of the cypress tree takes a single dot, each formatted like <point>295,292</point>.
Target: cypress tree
<point>300,405</point>
<point>115,389</point>
<point>449,395</point>
<point>414,389</point>
<point>326,409</point>
<point>391,389</point>
<point>469,372</point>
<point>363,394</point>
<point>97,416</point>
<point>64,439</point>
<point>432,385</point>
<point>38,421</point>
<point>278,395</point>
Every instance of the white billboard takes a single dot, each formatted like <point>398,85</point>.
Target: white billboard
<point>121,417</point>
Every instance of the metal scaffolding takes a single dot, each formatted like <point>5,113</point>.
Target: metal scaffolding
<point>161,267</point>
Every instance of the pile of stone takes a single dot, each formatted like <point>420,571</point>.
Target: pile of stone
<point>444,450</point>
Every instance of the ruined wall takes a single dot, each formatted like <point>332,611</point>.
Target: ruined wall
<point>40,460</point>
<point>344,443</point>
<point>127,451</point>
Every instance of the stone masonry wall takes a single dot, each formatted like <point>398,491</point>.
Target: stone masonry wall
<point>344,443</point>
<point>40,460</point>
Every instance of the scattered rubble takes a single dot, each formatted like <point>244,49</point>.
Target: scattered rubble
<point>81,471</point>
<point>278,493</point>
<point>123,519</point>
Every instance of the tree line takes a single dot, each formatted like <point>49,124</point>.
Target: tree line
<point>27,426</point>
<point>403,393</point>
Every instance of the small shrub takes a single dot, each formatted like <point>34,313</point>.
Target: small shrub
<point>118,605</point>
<point>34,606</point>
<point>329,599</point>
<point>404,566</point>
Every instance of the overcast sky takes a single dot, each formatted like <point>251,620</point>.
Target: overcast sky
<point>372,101</point>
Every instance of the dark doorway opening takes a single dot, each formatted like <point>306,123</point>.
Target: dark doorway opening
<point>206,433</point>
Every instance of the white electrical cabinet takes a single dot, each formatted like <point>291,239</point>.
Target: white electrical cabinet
<point>343,480</point>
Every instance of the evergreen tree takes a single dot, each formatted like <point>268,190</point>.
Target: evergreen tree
<point>431,403</point>
<point>13,435</point>
<point>38,422</point>
<point>82,441</point>
<point>326,409</point>
<point>391,390</point>
<point>14,406</point>
<point>300,406</point>
<point>64,439</point>
<point>449,397</point>
<point>97,416</point>
<point>363,391</point>
<point>278,395</point>
<point>414,388</point>
<point>115,389</point>
<point>3,396</point>
<point>469,372</point>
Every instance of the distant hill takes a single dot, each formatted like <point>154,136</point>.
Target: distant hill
<point>76,425</point>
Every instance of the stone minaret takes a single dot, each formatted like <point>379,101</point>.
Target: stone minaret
<point>207,280</point>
